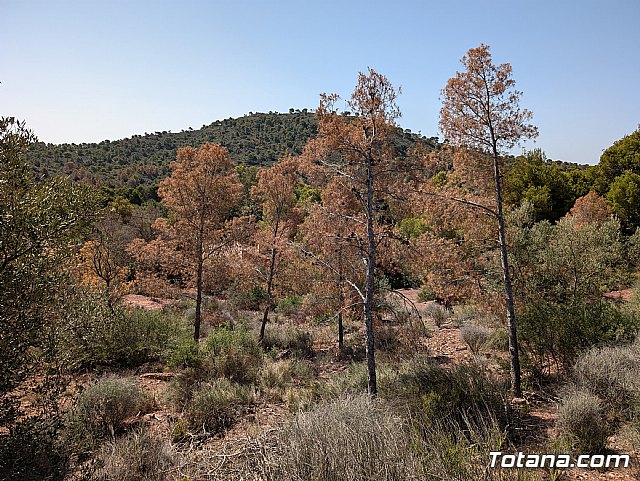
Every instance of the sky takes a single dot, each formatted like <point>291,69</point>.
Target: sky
<point>86,71</point>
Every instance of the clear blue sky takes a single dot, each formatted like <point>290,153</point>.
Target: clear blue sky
<point>85,71</point>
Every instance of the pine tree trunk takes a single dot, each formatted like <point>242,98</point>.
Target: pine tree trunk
<point>272,268</point>
<point>370,289</point>
<point>508,289</point>
<point>341,301</point>
<point>200,246</point>
<point>196,322</point>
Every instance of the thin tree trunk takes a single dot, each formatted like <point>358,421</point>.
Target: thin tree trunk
<point>341,301</point>
<point>272,269</point>
<point>196,322</point>
<point>370,288</point>
<point>508,289</point>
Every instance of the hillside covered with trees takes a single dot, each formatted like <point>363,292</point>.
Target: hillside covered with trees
<point>140,162</point>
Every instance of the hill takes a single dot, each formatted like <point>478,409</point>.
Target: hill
<point>142,160</point>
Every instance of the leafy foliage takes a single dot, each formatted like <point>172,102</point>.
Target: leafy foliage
<point>95,334</point>
<point>40,223</point>
<point>541,182</point>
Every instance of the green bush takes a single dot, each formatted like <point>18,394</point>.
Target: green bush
<point>33,450</point>
<point>94,334</point>
<point>581,417</point>
<point>138,456</point>
<point>186,353</point>
<point>425,295</point>
<point>554,335</point>
<point>246,298</point>
<point>234,354</point>
<point>429,391</point>
<point>289,306</point>
<point>102,409</point>
<point>298,343</point>
<point>217,405</point>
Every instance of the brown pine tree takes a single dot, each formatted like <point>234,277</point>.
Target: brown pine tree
<point>276,190</point>
<point>358,152</point>
<point>201,193</point>
<point>480,113</point>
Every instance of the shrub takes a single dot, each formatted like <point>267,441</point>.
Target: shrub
<point>216,405</point>
<point>425,295</point>
<point>581,417</point>
<point>186,353</point>
<point>353,348</point>
<point>611,373</point>
<point>103,408</point>
<point>351,439</point>
<point>289,306</point>
<point>297,343</point>
<point>386,338</point>
<point>246,298</point>
<point>34,450</point>
<point>475,335</point>
<point>138,456</point>
<point>429,391</point>
<point>184,384</point>
<point>234,354</point>
<point>553,334</point>
<point>499,339</point>
<point>96,335</point>
<point>438,313</point>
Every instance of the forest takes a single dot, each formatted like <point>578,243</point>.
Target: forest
<point>320,295</point>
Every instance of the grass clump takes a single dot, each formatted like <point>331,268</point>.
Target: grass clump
<point>475,336</point>
<point>295,342</point>
<point>280,373</point>
<point>351,438</point>
<point>103,408</point>
<point>138,456</point>
<point>217,405</point>
<point>581,418</point>
<point>611,373</point>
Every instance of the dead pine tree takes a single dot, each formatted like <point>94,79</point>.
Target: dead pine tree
<point>481,115</point>
<point>357,152</point>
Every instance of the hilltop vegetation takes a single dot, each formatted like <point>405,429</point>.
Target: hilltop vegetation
<point>140,162</point>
